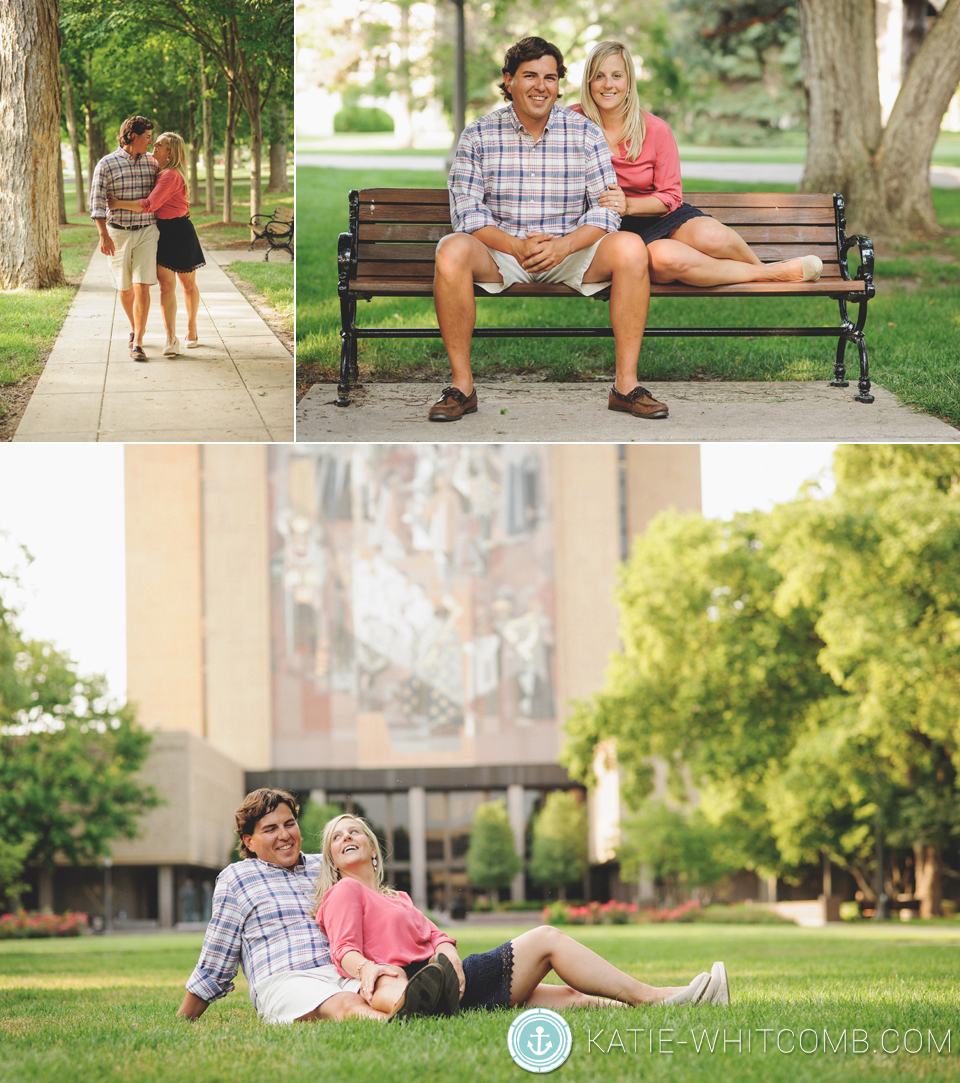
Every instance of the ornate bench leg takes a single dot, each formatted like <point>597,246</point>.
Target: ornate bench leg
<point>839,368</point>
<point>348,350</point>
<point>864,383</point>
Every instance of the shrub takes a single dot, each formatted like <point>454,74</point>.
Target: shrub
<point>24,926</point>
<point>360,118</point>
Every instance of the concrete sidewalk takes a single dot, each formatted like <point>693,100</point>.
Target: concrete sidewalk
<point>238,385</point>
<point>531,410</point>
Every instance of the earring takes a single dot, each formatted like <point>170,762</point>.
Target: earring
<point>374,862</point>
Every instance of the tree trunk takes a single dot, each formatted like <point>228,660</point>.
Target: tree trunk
<point>232,114</point>
<point>904,157</point>
<point>61,197</point>
<point>29,144</point>
<point>70,114</point>
<point>208,160</point>
<point>194,155</point>
<point>252,104</point>
<point>839,44</point>
<point>914,31</point>
<point>928,866</point>
<point>278,151</point>
<point>884,176</point>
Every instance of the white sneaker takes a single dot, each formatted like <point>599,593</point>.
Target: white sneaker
<point>718,990</point>
<point>693,992</point>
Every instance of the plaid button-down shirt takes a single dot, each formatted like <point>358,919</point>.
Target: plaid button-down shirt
<point>501,177</point>
<point>261,921</point>
<point>124,177</point>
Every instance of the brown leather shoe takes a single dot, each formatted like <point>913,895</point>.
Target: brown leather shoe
<point>453,404</point>
<point>639,402</point>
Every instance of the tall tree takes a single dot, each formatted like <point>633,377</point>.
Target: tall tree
<point>73,133</point>
<point>559,853</point>
<point>69,756</point>
<point>884,173</point>
<point>492,861</point>
<point>29,144</point>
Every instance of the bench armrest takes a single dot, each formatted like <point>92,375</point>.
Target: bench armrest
<point>865,270</point>
<point>346,260</point>
<point>259,220</point>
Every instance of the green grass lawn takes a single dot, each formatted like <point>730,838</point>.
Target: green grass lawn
<point>912,327</point>
<point>273,280</point>
<point>103,1009</point>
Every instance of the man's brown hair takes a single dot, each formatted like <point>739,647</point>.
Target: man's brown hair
<point>255,806</point>
<point>131,128</point>
<point>529,49</point>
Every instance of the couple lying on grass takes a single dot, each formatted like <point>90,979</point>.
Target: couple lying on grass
<point>319,936</point>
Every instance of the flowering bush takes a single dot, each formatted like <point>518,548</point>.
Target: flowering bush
<point>24,926</point>
<point>594,913</point>
<point>688,911</point>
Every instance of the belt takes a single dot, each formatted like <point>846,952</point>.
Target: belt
<point>130,228</point>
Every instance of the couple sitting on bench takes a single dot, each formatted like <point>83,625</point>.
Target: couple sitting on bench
<point>588,196</point>
<point>320,936</point>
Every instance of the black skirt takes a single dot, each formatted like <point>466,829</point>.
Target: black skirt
<point>488,977</point>
<point>178,248</point>
<point>655,229</point>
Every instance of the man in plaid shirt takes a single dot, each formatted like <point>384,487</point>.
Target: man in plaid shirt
<point>262,921</point>
<point>128,238</point>
<point>525,192</point>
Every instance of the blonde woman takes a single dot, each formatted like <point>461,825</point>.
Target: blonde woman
<point>179,254</point>
<point>407,966</point>
<point>683,244</point>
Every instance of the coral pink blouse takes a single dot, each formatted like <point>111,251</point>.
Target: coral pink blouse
<point>656,172</point>
<point>384,929</point>
<point>169,196</point>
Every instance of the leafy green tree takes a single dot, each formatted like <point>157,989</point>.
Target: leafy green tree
<point>559,852</point>
<point>680,848</point>
<point>314,818</point>
<point>801,667</point>
<point>69,756</point>
<point>13,857</point>
<point>492,861</point>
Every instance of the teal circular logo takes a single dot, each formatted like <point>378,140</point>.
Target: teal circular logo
<point>539,1040</point>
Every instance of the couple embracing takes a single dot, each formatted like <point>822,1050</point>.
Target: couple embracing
<point>139,204</point>
<point>588,196</point>
<point>320,936</point>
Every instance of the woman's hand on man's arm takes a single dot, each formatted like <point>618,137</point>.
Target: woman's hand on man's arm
<point>368,972</point>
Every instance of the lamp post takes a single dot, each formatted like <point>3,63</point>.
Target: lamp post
<point>107,908</point>
<point>460,81</point>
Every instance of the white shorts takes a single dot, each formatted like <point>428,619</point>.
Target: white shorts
<point>135,256</point>
<point>569,271</point>
<point>285,997</point>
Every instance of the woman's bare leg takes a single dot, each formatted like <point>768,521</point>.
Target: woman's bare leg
<point>168,301</point>
<point>543,949</point>
<point>191,298</point>
<point>705,252</point>
<point>562,996</point>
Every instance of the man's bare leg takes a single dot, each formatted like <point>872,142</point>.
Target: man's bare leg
<point>622,258</point>
<point>342,1006</point>
<point>126,299</point>
<point>461,261</point>
<point>141,309</point>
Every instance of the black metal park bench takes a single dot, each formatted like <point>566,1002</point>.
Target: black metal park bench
<point>276,229</point>
<point>390,250</point>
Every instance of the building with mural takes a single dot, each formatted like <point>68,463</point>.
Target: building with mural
<point>398,629</point>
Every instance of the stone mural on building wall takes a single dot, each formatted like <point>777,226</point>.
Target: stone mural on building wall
<point>413,603</point>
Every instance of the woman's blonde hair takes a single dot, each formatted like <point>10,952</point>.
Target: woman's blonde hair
<point>633,130</point>
<point>178,153</point>
<point>330,874</point>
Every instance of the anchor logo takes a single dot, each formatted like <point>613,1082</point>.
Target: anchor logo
<point>541,1048</point>
<point>539,1040</point>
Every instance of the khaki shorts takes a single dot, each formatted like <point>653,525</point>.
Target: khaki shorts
<point>135,256</point>
<point>285,997</point>
<point>569,271</point>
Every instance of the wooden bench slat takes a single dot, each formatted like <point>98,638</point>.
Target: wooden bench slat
<point>405,195</point>
<point>423,287</point>
<point>758,199</point>
<point>731,216</point>
<point>433,231</point>
<point>398,231</point>
<point>767,252</point>
<point>424,269</point>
